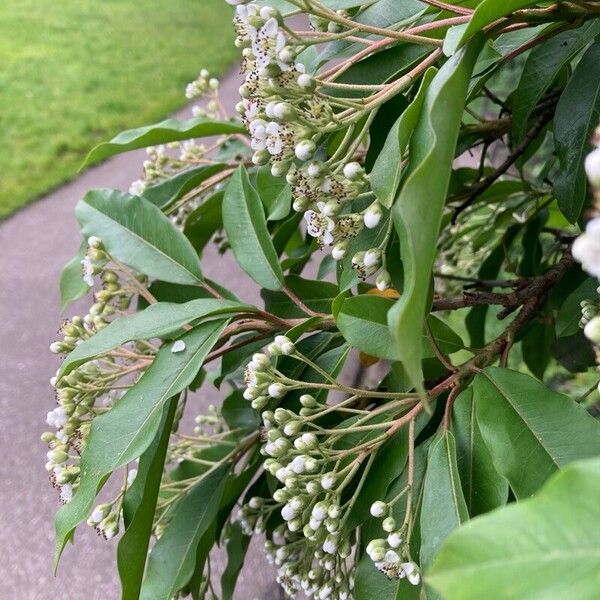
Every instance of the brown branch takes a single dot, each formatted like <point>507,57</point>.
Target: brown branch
<point>526,289</point>
<point>486,183</point>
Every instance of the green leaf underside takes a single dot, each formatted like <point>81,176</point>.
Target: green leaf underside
<point>133,546</point>
<point>577,114</point>
<point>530,430</point>
<point>122,434</point>
<point>138,234</point>
<point>387,170</point>
<point>483,487</point>
<point>244,222</point>
<point>173,557</point>
<point>431,148</point>
<point>363,321</point>
<point>158,320</point>
<point>543,548</point>
<point>444,506</point>
<point>169,130</point>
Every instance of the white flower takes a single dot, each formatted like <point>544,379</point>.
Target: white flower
<point>274,142</point>
<point>57,417</point>
<point>394,539</point>
<point>412,574</point>
<point>319,226</point>
<point>325,591</point>
<point>586,248</point>
<point>592,167</point>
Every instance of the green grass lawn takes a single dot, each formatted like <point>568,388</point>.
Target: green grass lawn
<point>76,72</point>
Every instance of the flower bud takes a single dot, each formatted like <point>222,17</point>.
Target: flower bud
<point>260,402</point>
<point>276,390</point>
<point>389,524</point>
<point>379,509</point>
<point>353,170</point>
<point>307,82</point>
<point>372,258</point>
<point>339,250</point>
<point>592,330</point>
<point>305,149</point>
<point>383,281</point>
<point>308,401</point>
<point>372,215</point>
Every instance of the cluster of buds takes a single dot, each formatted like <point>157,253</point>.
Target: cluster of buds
<point>105,517</point>
<point>314,554</point>
<point>205,88</point>
<point>263,381</point>
<point>93,387</point>
<point>391,555</point>
<point>287,113</point>
<point>164,161</point>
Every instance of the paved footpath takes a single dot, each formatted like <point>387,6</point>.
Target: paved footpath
<point>34,245</point>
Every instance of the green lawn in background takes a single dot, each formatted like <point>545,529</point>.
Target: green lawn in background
<point>76,72</point>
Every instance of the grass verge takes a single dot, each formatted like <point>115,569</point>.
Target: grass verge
<point>76,73</point>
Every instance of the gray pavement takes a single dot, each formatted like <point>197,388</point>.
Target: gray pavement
<point>34,245</point>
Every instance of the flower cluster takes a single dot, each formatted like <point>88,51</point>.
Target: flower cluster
<point>287,113</point>
<point>391,555</point>
<point>93,387</point>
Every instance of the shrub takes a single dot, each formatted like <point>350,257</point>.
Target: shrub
<point>437,154</point>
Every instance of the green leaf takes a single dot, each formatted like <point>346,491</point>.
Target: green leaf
<point>139,506</point>
<point>387,170</point>
<point>542,67</point>
<point>544,548</point>
<point>486,13</point>
<point>317,295</point>
<point>167,192</point>
<point>363,321</point>
<point>574,352</point>
<point>244,221</point>
<point>138,234</point>
<point>170,130</point>
<point>156,321</point>
<point>237,545</point>
<point>530,430</point>
<point>238,413</point>
<point>120,435</point>
<point>173,557</point>
<point>431,152</point>
<point>483,487</point>
<point>569,315</point>
<point>577,114</point>
<point>444,506</point>
<point>275,193</point>
<point>204,220</point>
<point>72,285</point>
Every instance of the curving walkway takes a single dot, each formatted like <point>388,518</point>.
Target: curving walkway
<point>34,245</point>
